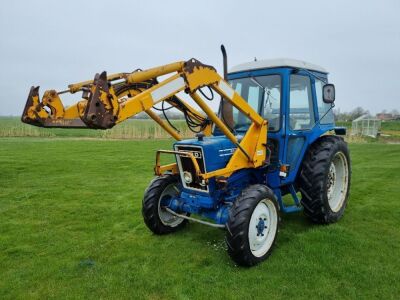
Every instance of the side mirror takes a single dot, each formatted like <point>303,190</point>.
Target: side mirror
<point>328,93</point>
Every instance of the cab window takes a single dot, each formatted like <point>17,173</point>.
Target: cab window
<point>301,114</point>
<point>263,93</point>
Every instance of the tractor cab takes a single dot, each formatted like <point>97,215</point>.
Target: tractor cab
<point>297,101</point>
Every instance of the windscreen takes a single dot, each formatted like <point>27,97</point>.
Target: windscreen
<point>263,93</point>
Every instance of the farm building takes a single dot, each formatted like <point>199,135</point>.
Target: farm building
<point>387,117</point>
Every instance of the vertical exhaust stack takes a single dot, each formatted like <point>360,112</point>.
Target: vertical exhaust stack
<point>226,109</point>
<point>225,62</point>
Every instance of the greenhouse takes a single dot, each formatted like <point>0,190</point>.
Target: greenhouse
<point>366,125</point>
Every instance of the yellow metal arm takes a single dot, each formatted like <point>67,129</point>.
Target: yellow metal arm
<point>109,100</point>
<point>102,99</point>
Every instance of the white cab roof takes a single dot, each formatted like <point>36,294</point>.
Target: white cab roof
<point>275,63</point>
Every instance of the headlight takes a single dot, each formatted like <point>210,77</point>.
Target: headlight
<point>187,177</point>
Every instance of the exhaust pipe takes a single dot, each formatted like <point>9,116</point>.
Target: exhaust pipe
<point>225,62</point>
<point>226,109</point>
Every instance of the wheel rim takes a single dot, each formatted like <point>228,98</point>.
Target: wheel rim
<point>337,184</point>
<point>167,218</point>
<point>262,228</point>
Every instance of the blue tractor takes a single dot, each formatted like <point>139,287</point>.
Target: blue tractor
<point>307,160</point>
<point>274,135</point>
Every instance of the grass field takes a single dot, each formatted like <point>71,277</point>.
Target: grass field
<point>71,227</point>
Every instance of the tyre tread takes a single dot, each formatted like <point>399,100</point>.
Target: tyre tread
<point>312,178</point>
<point>238,221</point>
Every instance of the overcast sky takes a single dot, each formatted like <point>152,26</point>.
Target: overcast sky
<point>53,43</point>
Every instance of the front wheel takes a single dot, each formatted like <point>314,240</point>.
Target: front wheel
<point>157,195</point>
<point>252,225</point>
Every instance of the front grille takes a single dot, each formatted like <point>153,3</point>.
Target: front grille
<point>185,165</point>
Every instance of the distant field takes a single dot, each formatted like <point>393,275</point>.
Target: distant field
<point>391,125</point>
<point>130,129</point>
<point>135,129</point>
<point>389,132</point>
<point>71,227</point>
<point>386,126</point>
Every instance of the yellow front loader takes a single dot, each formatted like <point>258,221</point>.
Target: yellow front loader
<point>109,100</point>
<point>229,175</point>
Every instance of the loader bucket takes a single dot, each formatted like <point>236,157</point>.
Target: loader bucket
<point>35,114</point>
<point>30,109</point>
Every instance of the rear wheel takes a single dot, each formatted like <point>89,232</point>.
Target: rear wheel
<point>157,195</point>
<point>325,180</point>
<point>252,225</point>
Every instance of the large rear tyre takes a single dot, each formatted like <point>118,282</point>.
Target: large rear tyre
<point>159,192</point>
<point>324,180</point>
<point>252,226</point>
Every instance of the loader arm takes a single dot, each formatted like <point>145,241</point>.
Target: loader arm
<point>109,100</point>
<point>50,112</point>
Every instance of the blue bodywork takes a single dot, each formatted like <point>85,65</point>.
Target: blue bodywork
<point>290,145</point>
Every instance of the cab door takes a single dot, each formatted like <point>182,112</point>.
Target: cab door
<point>300,119</point>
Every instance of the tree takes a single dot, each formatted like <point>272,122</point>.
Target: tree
<point>358,112</point>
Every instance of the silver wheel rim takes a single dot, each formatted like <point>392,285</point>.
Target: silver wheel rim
<point>167,218</point>
<point>337,183</point>
<point>261,239</point>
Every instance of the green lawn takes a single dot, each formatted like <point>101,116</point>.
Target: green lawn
<point>71,227</point>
